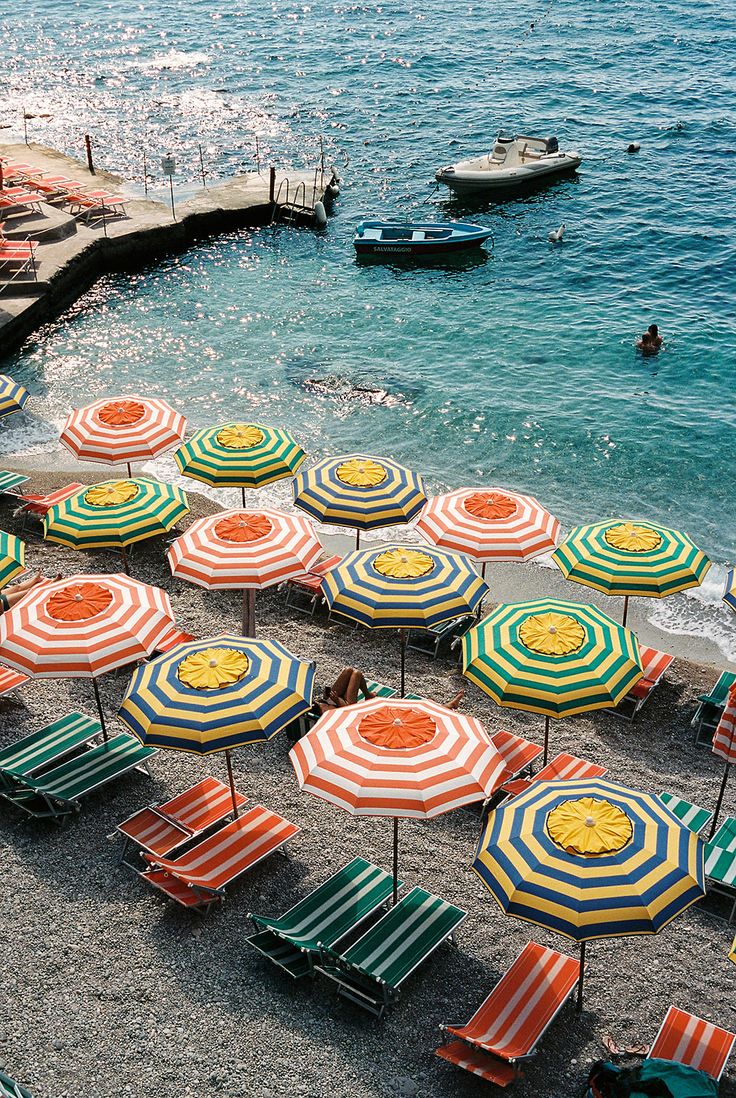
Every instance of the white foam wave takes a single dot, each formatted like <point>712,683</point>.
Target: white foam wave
<point>700,612</point>
<point>172,60</point>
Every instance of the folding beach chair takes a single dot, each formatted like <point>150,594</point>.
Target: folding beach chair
<point>304,593</point>
<point>161,829</point>
<point>710,708</point>
<point>95,205</point>
<point>47,747</point>
<point>10,1089</point>
<point>720,862</point>
<point>37,506</point>
<point>518,754</point>
<point>371,972</point>
<point>689,1040</point>
<point>334,909</point>
<point>432,641</point>
<point>654,665</point>
<point>507,1027</point>
<point>59,792</point>
<point>172,638</point>
<point>563,768</point>
<point>10,680</point>
<point>9,481</point>
<point>380,690</point>
<point>692,815</point>
<point>199,877</point>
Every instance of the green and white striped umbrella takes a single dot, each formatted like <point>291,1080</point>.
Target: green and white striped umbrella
<point>552,657</point>
<point>631,558</point>
<point>239,455</point>
<point>12,557</point>
<point>115,514</point>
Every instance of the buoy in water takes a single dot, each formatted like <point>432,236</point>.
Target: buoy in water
<point>320,215</point>
<point>332,190</point>
<point>633,147</point>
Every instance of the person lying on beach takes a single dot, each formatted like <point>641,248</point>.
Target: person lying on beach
<point>15,593</point>
<point>348,687</point>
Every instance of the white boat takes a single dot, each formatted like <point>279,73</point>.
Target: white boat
<point>513,162</point>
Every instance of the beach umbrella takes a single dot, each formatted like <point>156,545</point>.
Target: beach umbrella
<point>552,657</point>
<point>12,557</point>
<point>84,626</point>
<point>724,746</point>
<point>217,694</point>
<point>245,549</point>
<point>398,759</point>
<point>732,952</point>
<point>13,396</point>
<point>489,524</point>
<point>729,591</point>
<point>115,514</point>
<point>626,558</point>
<point>401,587</point>
<point>359,491</point>
<point>239,455</point>
<point>119,430</point>
<point>590,859</point>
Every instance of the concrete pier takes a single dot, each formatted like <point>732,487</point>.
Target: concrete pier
<point>72,254</point>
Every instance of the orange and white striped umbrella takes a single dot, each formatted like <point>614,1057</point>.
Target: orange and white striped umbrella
<point>117,430</point>
<point>84,626</point>
<point>397,758</point>
<point>489,524</point>
<point>724,746</point>
<point>248,549</point>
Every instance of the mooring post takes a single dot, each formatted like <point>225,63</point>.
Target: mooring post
<point>258,157</point>
<point>145,173</point>
<point>272,185</point>
<point>25,126</point>
<point>88,146</point>
<point>201,165</point>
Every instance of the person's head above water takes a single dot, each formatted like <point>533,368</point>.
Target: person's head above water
<point>653,331</point>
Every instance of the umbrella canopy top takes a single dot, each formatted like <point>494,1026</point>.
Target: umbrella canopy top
<point>551,656</point>
<point>360,491</point>
<point>729,591</point>
<point>12,557</point>
<point>123,429</point>
<point>115,513</point>
<point>245,549</point>
<point>489,524</point>
<point>397,758</point>
<point>623,557</point>
<point>402,587</point>
<point>590,859</point>
<point>13,396</point>
<point>84,625</point>
<point>239,455</point>
<point>218,693</point>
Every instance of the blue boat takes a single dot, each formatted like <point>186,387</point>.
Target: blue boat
<point>416,239</point>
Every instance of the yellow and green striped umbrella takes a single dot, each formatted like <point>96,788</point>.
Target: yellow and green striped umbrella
<point>626,558</point>
<point>13,396</point>
<point>359,491</point>
<point>239,455</point>
<point>115,514</point>
<point>590,859</point>
<point>12,557</point>
<point>401,587</point>
<point>552,657</point>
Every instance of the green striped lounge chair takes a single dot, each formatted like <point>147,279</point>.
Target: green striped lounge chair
<point>710,708</point>
<point>382,691</point>
<point>10,481</point>
<point>10,1089</point>
<point>720,862</point>
<point>60,792</point>
<point>49,745</point>
<point>371,971</point>
<point>323,918</point>
<point>692,815</point>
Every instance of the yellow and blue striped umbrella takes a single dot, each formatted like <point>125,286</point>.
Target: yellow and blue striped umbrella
<point>401,587</point>
<point>359,491</point>
<point>729,592</point>
<point>115,514</point>
<point>590,859</point>
<point>13,396</point>
<point>553,657</point>
<point>626,558</point>
<point>216,694</point>
<point>12,557</point>
<point>239,455</point>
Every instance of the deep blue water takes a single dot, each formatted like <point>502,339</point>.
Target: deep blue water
<point>518,368</point>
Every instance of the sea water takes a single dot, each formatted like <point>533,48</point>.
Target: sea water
<point>515,367</point>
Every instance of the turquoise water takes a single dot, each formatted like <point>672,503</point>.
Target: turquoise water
<point>517,368</point>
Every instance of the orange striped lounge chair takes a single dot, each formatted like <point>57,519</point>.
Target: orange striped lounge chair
<point>654,665</point>
<point>563,768</point>
<point>39,505</point>
<point>199,877</point>
<point>519,755</point>
<point>507,1027</point>
<point>161,829</point>
<point>91,205</point>
<point>10,680</point>
<point>303,592</point>
<point>689,1040</point>
<point>172,638</point>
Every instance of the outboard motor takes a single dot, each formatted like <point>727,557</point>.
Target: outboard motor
<point>552,145</point>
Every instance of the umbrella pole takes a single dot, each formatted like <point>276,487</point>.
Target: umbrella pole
<point>402,642</point>
<point>357,539</point>
<point>242,494</point>
<point>581,980</point>
<point>483,570</point>
<point>626,610</point>
<point>396,859</point>
<point>130,473</point>
<point>546,740</point>
<point>232,783</point>
<point>126,562</point>
<point>719,802</point>
<point>249,612</point>
<point>99,708</point>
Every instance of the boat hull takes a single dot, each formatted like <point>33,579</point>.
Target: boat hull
<point>417,249</point>
<point>509,179</point>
